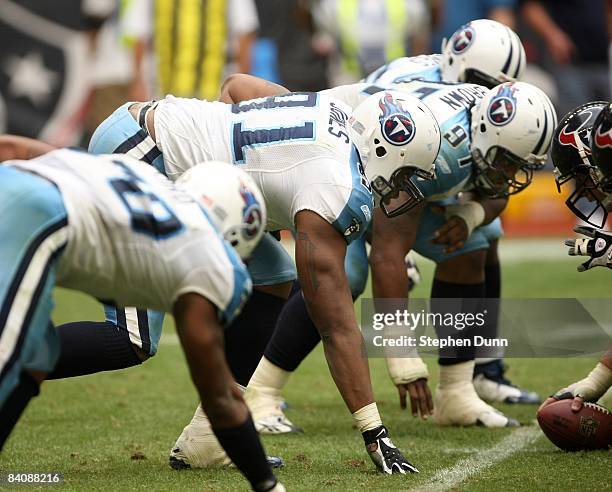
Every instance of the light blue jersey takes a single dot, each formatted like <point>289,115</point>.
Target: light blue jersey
<point>451,104</point>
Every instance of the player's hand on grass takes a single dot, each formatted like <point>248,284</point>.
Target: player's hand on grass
<point>409,374</point>
<point>597,244</point>
<point>384,454</point>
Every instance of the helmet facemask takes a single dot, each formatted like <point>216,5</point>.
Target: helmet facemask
<point>400,194</point>
<point>500,173</point>
<point>588,201</point>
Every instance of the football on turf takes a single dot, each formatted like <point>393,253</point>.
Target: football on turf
<point>590,428</point>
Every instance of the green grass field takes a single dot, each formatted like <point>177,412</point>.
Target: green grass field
<point>113,431</point>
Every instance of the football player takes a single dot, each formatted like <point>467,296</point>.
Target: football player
<point>296,147</point>
<point>493,54</point>
<point>582,152</point>
<point>110,226</point>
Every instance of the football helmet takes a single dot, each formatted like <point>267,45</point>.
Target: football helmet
<point>397,138</point>
<point>233,199</point>
<point>601,146</point>
<point>571,156</point>
<point>512,129</point>
<point>483,52</point>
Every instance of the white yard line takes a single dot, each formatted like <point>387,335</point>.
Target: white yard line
<point>462,470</point>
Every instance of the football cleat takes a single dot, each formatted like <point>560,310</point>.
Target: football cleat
<point>268,414</point>
<point>384,454</point>
<point>198,447</point>
<point>492,386</point>
<point>461,406</point>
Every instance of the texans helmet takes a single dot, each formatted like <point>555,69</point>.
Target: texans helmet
<point>572,158</point>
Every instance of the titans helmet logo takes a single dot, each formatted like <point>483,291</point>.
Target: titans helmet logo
<point>463,39</point>
<point>502,107</point>
<point>395,123</point>
<point>251,214</point>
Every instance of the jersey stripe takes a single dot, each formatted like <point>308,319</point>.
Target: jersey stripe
<point>24,291</point>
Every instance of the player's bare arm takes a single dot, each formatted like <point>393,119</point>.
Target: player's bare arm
<point>242,87</point>
<point>15,147</point>
<point>202,339</point>
<point>462,218</point>
<point>320,252</point>
<point>201,336</point>
<point>392,239</point>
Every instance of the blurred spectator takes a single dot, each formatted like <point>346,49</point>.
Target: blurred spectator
<point>45,56</point>
<point>369,33</point>
<point>289,26</point>
<point>118,75</point>
<point>575,35</point>
<point>192,40</point>
<point>449,15</point>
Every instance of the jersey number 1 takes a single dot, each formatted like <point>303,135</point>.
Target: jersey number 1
<point>250,138</point>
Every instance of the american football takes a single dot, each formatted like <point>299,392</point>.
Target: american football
<point>589,428</point>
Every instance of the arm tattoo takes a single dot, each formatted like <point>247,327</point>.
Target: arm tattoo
<point>309,251</point>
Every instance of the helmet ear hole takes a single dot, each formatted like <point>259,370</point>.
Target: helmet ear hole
<point>381,152</point>
<point>376,141</point>
<point>451,60</point>
<point>483,128</point>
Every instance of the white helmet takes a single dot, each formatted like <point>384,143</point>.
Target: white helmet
<point>233,199</point>
<point>483,52</point>
<point>397,137</point>
<point>512,130</point>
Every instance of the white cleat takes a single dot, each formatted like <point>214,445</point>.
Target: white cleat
<point>197,446</point>
<point>267,413</point>
<point>461,406</point>
<point>500,392</point>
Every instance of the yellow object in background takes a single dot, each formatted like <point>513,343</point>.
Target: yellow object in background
<point>539,210</point>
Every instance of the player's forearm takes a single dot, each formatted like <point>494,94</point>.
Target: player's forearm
<point>389,275</point>
<point>242,87</point>
<point>14,147</point>
<point>332,311</point>
<point>493,207</point>
<point>329,303</point>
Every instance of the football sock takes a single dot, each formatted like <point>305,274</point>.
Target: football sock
<point>87,347</point>
<point>295,335</point>
<point>246,338</point>
<point>455,374</point>
<point>244,448</point>
<point>26,389</point>
<point>492,291</point>
<point>469,299</point>
<point>268,378</point>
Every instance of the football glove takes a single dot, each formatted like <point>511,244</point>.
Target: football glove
<point>384,454</point>
<point>597,245</point>
<point>591,388</point>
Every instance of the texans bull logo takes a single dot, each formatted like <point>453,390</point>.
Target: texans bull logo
<point>603,137</point>
<point>396,124</point>
<point>502,107</point>
<point>251,213</point>
<point>572,132</point>
<point>462,40</point>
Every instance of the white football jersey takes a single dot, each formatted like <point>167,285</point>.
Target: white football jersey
<point>134,239</point>
<point>295,146</point>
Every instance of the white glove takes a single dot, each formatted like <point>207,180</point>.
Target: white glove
<point>406,370</point>
<point>471,212</point>
<point>597,245</point>
<point>591,388</point>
